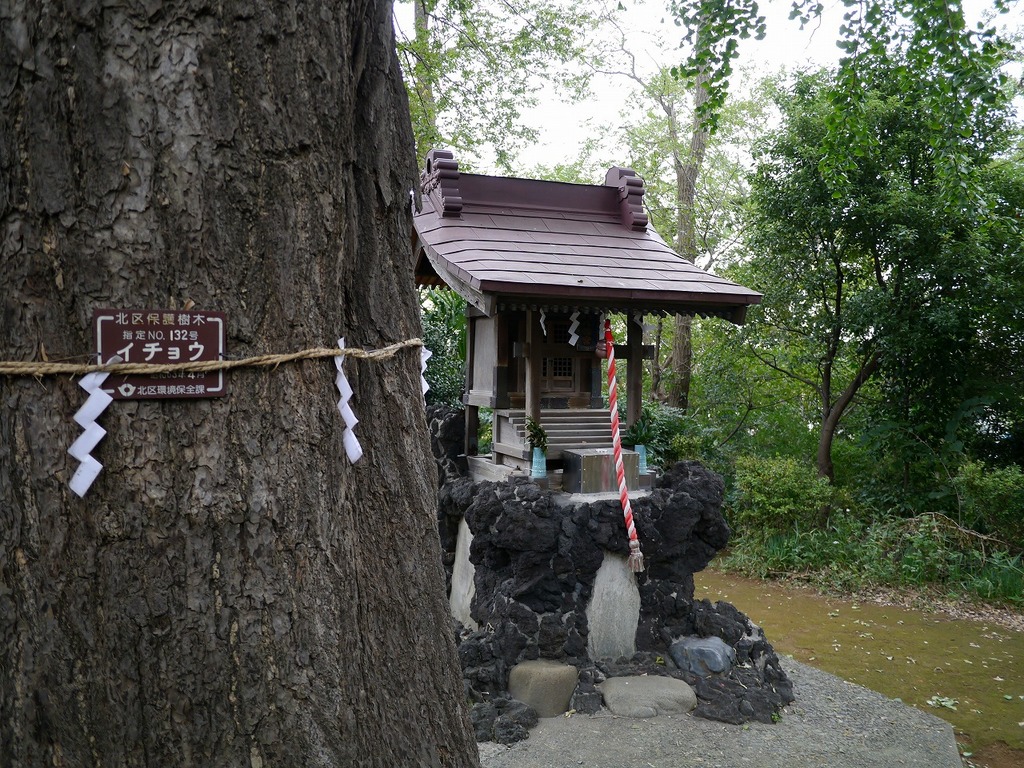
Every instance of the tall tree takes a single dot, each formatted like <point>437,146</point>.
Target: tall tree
<point>231,590</point>
<point>474,67</point>
<point>687,168</point>
<point>952,371</point>
<point>694,204</point>
<point>681,98</point>
<point>686,159</point>
<point>859,284</point>
<point>936,38</point>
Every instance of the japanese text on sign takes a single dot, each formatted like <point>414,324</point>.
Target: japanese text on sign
<point>159,337</point>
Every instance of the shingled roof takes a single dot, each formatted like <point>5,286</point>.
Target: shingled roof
<point>508,243</point>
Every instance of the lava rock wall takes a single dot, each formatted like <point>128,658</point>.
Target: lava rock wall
<point>536,555</point>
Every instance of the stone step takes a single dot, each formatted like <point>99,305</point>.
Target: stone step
<point>561,416</point>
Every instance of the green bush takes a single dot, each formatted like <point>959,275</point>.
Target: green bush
<point>684,447</point>
<point>999,577</point>
<point>443,314</point>
<point>992,501</point>
<point>777,496</point>
<point>852,552</point>
<point>656,428</point>
<point>485,435</point>
<point>927,552</point>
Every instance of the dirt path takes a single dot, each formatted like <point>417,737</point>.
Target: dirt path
<point>961,661</point>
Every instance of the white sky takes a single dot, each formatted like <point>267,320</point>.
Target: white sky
<point>563,127</point>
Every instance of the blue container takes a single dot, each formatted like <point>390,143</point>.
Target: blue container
<point>540,464</point>
<point>642,450</point>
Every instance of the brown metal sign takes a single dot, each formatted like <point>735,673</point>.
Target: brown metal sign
<point>161,336</point>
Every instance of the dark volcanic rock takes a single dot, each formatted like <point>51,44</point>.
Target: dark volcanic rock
<point>739,697</point>
<point>447,427</point>
<point>587,699</point>
<point>535,562</point>
<point>503,719</point>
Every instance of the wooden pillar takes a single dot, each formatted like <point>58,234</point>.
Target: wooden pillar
<point>533,365</point>
<point>472,418</point>
<point>472,443</point>
<point>502,385</point>
<point>597,374</point>
<point>634,370</point>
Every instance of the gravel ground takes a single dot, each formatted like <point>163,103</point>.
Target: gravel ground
<point>832,724</point>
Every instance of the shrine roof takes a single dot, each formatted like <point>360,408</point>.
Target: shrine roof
<point>506,243</point>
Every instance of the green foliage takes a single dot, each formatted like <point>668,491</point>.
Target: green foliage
<point>930,443</point>
<point>850,553</point>
<point>485,435</point>
<point>473,66</point>
<point>873,294</point>
<point>658,132</point>
<point>659,428</point>
<point>536,435</point>
<point>443,314</point>
<point>694,441</point>
<point>953,70</point>
<point>998,577</point>
<point>738,405</point>
<point>777,496</point>
<point>832,549</point>
<point>992,501</point>
<point>714,28</point>
<point>641,431</point>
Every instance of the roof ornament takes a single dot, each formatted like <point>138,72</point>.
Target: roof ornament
<point>440,181</point>
<point>631,196</point>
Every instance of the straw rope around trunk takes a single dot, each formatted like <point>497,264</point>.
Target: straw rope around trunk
<point>11,368</point>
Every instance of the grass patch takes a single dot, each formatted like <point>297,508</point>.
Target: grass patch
<point>848,554</point>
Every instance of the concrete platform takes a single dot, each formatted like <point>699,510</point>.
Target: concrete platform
<point>832,724</point>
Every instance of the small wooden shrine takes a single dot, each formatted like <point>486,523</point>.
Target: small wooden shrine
<point>539,263</point>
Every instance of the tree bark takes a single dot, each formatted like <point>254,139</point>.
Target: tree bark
<point>687,168</point>
<point>231,590</point>
<point>656,393</point>
<point>834,413</point>
<point>423,83</point>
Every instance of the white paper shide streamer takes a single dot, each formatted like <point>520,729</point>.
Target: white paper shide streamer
<point>92,433</point>
<point>574,337</point>
<point>543,322</point>
<point>353,449</point>
<point>425,354</point>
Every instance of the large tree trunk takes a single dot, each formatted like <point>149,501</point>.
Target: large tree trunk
<point>833,413</point>
<point>423,84</point>
<point>687,169</point>
<point>231,590</point>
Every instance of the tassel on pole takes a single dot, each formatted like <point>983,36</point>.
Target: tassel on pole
<point>636,557</point>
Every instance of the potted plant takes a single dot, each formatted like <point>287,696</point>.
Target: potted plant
<point>640,435</point>
<point>537,438</point>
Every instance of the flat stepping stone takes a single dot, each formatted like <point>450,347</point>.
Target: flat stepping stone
<point>647,696</point>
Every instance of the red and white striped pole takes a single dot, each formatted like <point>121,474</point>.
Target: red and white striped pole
<point>636,558</point>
